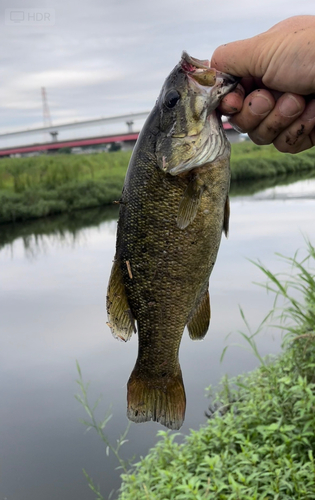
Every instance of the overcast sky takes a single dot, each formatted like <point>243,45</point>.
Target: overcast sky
<point>107,57</point>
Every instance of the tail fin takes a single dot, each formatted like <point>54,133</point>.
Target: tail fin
<point>161,400</point>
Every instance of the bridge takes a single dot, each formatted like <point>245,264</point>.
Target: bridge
<point>128,138</point>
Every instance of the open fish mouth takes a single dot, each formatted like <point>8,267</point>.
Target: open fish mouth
<point>194,134</point>
<point>210,142</point>
<point>200,71</point>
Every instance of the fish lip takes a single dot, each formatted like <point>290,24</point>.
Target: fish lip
<point>224,82</point>
<point>200,73</point>
<point>191,64</point>
<point>194,67</point>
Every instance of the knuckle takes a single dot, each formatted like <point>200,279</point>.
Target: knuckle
<point>240,124</point>
<point>281,147</point>
<point>292,140</point>
<point>237,126</point>
<point>285,146</point>
<point>260,140</point>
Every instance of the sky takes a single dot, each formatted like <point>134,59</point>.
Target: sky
<point>110,57</point>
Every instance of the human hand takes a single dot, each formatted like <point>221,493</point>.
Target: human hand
<point>273,103</point>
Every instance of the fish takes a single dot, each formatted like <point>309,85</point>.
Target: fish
<point>173,209</point>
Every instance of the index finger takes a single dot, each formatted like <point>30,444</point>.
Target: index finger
<point>232,103</point>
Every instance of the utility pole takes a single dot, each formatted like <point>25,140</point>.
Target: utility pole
<point>46,115</point>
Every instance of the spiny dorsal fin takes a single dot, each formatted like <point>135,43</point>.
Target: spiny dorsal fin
<point>120,319</point>
<point>226,216</point>
<point>199,323</point>
<point>189,203</point>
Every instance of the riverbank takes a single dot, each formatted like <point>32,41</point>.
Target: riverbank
<point>47,185</point>
<point>259,441</point>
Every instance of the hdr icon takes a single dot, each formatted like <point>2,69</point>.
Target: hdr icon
<point>29,17</point>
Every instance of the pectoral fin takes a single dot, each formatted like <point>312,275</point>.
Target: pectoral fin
<point>199,323</point>
<point>120,318</point>
<point>189,203</point>
<point>226,216</point>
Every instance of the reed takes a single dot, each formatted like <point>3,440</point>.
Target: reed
<point>51,184</point>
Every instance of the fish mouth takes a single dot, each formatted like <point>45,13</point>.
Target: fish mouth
<point>191,64</point>
<point>200,72</point>
<point>210,143</point>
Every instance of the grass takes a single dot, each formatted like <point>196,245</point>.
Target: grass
<point>48,185</point>
<point>259,441</point>
<point>51,184</point>
<point>250,161</point>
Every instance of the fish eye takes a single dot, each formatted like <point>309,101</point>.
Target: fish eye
<point>171,98</point>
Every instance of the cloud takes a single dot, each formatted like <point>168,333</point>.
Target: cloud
<point>107,57</point>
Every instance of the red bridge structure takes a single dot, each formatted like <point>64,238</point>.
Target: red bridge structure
<point>51,147</point>
<point>124,139</point>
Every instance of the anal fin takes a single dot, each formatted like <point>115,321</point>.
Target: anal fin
<point>190,202</point>
<point>199,323</point>
<point>120,318</point>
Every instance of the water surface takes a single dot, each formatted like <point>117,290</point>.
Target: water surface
<point>53,278</point>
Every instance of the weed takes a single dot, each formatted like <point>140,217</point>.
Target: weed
<point>46,185</point>
<point>99,428</point>
<point>259,441</point>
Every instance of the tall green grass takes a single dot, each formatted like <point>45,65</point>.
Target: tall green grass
<point>259,441</point>
<point>250,161</point>
<point>47,185</point>
<point>50,184</point>
<point>52,171</point>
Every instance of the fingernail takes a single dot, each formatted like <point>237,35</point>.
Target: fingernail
<point>309,113</point>
<point>239,90</point>
<point>260,105</point>
<point>289,106</point>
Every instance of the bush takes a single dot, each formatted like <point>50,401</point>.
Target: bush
<point>259,441</point>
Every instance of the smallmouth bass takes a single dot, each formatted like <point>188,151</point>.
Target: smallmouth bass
<point>173,209</point>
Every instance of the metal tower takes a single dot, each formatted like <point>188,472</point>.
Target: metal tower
<point>46,115</point>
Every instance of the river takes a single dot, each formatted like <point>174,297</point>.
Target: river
<point>53,278</point>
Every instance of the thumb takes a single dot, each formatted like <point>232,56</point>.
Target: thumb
<point>237,58</point>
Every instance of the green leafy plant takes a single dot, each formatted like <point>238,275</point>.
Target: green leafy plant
<point>99,427</point>
<point>259,441</point>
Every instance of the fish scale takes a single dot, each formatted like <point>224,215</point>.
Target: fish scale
<point>168,236</point>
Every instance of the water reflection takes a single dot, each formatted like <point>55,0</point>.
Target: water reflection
<point>250,187</point>
<point>52,312</point>
<point>67,229</point>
